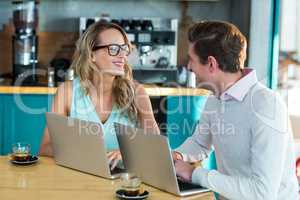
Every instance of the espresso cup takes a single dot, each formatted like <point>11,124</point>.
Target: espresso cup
<point>20,151</point>
<point>131,184</point>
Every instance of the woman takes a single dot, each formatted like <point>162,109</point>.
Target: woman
<point>103,91</point>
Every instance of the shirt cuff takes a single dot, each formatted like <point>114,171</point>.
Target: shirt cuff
<point>190,157</point>
<point>200,177</point>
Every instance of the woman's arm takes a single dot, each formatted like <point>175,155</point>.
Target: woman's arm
<point>145,112</point>
<point>61,105</point>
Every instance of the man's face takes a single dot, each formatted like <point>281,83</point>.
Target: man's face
<point>195,66</point>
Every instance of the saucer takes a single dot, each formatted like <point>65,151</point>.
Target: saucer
<point>30,161</point>
<point>120,194</point>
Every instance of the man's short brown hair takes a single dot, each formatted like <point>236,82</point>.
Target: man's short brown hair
<point>221,40</point>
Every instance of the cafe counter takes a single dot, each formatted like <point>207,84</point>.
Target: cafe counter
<point>22,113</point>
<point>48,181</point>
<point>151,90</point>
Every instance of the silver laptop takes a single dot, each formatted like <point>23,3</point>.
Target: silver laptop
<point>149,156</point>
<point>79,145</point>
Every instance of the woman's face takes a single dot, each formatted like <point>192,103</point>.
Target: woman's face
<point>107,58</point>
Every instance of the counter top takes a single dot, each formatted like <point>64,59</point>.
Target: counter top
<point>48,181</point>
<point>150,89</point>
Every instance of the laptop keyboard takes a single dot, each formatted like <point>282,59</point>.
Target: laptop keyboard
<point>183,186</point>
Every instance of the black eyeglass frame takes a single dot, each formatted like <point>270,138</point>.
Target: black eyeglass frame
<point>123,46</point>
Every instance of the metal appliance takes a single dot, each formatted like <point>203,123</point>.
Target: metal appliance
<point>25,19</point>
<point>154,56</point>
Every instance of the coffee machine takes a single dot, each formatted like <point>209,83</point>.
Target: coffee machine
<point>25,42</point>
<point>154,56</point>
<point>156,47</point>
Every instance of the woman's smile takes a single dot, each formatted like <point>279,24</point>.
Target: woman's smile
<point>119,63</point>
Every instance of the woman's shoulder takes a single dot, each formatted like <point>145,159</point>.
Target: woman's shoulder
<point>142,99</point>
<point>139,88</point>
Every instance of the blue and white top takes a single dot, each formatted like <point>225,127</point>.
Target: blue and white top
<point>83,108</point>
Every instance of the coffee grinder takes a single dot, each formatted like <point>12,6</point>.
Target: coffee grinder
<point>25,42</point>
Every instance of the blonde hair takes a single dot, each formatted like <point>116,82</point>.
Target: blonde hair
<point>123,86</point>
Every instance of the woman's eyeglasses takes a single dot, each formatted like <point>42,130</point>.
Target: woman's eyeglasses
<point>114,49</point>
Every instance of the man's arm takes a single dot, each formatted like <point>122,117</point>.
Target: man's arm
<point>270,137</point>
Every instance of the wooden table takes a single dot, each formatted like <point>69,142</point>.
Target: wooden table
<point>46,180</point>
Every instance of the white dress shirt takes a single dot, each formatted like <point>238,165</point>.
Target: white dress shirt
<point>248,127</point>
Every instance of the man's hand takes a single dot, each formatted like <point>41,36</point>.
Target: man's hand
<point>184,170</point>
<point>176,156</point>
<point>114,157</point>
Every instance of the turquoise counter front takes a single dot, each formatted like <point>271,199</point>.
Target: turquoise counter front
<point>22,119</point>
<point>183,114</point>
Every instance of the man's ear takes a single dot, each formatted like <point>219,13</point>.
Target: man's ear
<point>213,64</point>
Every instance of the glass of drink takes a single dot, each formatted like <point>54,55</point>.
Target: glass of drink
<point>21,151</point>
<point>131,184</point>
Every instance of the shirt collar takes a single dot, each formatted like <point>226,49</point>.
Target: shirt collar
<point>239,90</point>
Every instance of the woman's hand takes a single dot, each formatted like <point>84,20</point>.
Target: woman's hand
<point>114,157</point>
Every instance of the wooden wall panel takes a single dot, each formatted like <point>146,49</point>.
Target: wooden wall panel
<point>6,50</point>
<point>50,45</point>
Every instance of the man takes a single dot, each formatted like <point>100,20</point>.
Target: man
<point>245,122</point>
